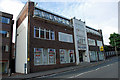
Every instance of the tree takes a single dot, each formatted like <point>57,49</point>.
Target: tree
<point>115,40</point>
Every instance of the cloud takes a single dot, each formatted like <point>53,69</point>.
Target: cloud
<point>12,7</point>
<point>98,14</point>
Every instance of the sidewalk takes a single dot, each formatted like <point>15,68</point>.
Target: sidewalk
<point>49,72</point>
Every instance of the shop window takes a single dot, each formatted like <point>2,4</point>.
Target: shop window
<point>42,34</point>
<point>38,56</point>
<point>93,56</point>
<point>36,32</point>
<point>62,56</point>
<point>52,56</point>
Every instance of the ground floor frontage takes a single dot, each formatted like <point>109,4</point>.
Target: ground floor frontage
<point>3,66</point>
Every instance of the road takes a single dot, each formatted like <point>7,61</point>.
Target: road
<point>104,70</point>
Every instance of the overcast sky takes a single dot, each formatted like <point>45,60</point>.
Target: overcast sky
<point>98,14</point>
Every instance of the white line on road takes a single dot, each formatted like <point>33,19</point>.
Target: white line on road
<point>91,71</point>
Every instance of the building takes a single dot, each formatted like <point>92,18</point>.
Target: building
<point>44,40</point>
<point>81,43</point>
<point>95,44</point>
<point>6,29</point>
<point>88,42</point>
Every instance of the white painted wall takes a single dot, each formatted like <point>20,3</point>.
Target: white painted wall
<point>21,46</point>
<point>82,34</point>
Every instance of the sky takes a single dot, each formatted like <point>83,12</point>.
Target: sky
<point>98,14</point>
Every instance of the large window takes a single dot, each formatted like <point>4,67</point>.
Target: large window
<point>4,33</point>
<point>44,56</point>
<point>4,20</point>
<point>52,56</point>
<point>44,34</point>
<point>50,16</point>
<point>93,56</point>
<point>66,56</point>
<point>91,42</point>
<point>38,53</point>
<point>65,37</point>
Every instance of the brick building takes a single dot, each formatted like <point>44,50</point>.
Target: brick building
<point>6,29</point>
<point>44,40</point>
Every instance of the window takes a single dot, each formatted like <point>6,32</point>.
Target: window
<point>93,56</point>
<point>49,16</point>
<point>44,56</point>
<point>99,43</point>
<point>42,34</point>
<point>47,34</point>
<point>52,35</point>
<point>66,56</point>
<point>65,37</point>
<point>4,20</point>
<point>5,48</point>
<point>91,42</point>
<point>71,54</point>
<point>52,56</point>
<point>4,33</point>
<point>36,32</point>
<point>62,56</point>
<point>38,56</point>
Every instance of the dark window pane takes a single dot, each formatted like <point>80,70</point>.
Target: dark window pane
<point>36,33</point>
<point>47,35</point>
<point>42,33</point>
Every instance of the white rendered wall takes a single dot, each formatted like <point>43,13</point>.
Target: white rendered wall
<point>86,54</point>
<point>21,46</point>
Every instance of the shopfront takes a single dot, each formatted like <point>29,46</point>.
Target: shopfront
<point>93,56</point>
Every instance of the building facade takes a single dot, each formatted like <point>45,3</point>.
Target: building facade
<point>88,42</point>
<point>95,44</point>
<point>6,29</point>
<point>44,40</point>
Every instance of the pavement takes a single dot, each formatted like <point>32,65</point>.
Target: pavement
<point>54,71</point>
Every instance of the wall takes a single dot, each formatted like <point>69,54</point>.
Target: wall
<point>21,46</point>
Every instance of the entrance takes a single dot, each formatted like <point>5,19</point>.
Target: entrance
<point>81,54</point>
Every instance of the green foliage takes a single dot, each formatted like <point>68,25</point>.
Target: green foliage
<point>115,40</point>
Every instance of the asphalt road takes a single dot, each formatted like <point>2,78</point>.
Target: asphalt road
<point>104,70</point>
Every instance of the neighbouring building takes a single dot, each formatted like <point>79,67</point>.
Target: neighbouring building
<point>6,30</point>
<point>95,44</point>
<point>44,40</point>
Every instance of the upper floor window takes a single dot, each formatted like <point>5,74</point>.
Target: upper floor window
<point>91,42</point>
<point>4,20</point>
<point>36,32</point>
<point>50,16</point>
<point>44,34</point>
<point>4,33</point>
<point>99,43</point>
<point>5,48</point>
<point>65,37</point>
